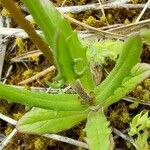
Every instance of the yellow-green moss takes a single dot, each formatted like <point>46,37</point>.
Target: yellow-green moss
<point>28,73</point>
<point>125,118</point>
<point>17,116</point>
<point>109,17</point>
<point>119,116</point>
<point>90,21</point>
<point>3,110</point>
<point>20,45</point>
<point>146,95</point>
<point>134,105</point>
<point>39,144</point>
<point>134,1</point>
<point>147,83</point>
<point>35,58</point>
<point>5,12</point>
<point>103,19</point>
<point>127,21</point>
<point>8,130</point>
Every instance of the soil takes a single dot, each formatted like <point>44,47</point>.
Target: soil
<point>119,114</point>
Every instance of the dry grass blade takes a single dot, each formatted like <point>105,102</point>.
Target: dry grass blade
<point>128,29</point>
<point>38,75</point>
<point>97,6</point>
<point>125,137</point>
<point>102,9</point>
<point>99,31</point>
<point>2,49</point>
<point>132,100</point>
<point>27,55</point>
<point>143,11</point>
<point>15,32</point>
<point>67,140</point>
<point>7,139</point>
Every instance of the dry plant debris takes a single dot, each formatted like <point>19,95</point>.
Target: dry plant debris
<point>22,63</point>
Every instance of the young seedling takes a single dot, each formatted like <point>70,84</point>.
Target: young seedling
<point>139,126</point>
<point>58,112</point>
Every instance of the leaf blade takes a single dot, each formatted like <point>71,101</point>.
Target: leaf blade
<point>138,73</point>
<point>128,58</point>
<point>42,100</point>
<point>40,121</point>
<point>50,21</point>
<point>97,131</point>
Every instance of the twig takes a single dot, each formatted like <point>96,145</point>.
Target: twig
<point>96,6</point>
<point>8,73</point>
<point>67,140</point>
<point>143,11</point>
<point>26,55</point>
<point>2,137</point>
<point>111,26</point>
<point>131,99</point>
<point>119,1</point>
<point>8,119</point>
<point>16,32</point>
<point>2,49</point>
<point>63,3</point>
<point>125,137</point>
<point>130,27</point>
<point>123,131</point>
<point>103,12</point>
<point>38,75</point>
<point>7,139</point>
<point>101,32</point>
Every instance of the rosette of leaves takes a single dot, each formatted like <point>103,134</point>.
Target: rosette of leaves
<point>58,112</point>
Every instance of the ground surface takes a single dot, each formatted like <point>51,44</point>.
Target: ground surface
<point>13,72</point>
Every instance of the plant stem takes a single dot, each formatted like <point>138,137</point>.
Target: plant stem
<point>86,97</point>
<point>16,13</point>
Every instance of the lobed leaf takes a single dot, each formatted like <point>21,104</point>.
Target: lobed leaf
<point>142,141</point>
<point>62,101</point>
<point>100,51</point>
<point>138,73</point>
<point>97,131</point>
<point>139,122</point>
<point>51,22</point>
<point>40,121</point>
<point>129,57</point>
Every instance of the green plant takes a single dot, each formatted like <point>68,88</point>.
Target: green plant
<point>139,126</point>
<point>100,51</point>
<point>57,112</point>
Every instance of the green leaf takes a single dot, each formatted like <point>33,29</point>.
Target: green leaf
<point>100,51</point>
<point>129,57</point>
<point>145,34</point>
<point>51,22</point>
<point>138,73</point>
<point>140,122</point>
<point>97,131</point>
<point>42,100</point>
<point>142,141</point>
<point>67,70</point>
<point>40,121</point>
